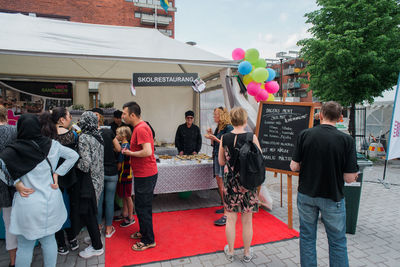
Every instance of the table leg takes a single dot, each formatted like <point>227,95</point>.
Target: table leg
<point>281,190</point>
<point>290,206</point>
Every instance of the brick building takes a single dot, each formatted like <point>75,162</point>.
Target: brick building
<point>134,13</point>
<point>295,90</point>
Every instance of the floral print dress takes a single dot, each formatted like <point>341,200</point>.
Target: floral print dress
<point>236,197</point>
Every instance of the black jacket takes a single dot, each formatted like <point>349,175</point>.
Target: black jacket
<point>187,139</point>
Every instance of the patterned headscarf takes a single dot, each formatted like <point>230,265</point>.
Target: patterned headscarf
<point>89,125</point>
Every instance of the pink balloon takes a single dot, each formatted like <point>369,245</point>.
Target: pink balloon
<point>238,54</point>
<point>253,88</point>
<point>262,95</point>
<point>272,87</point>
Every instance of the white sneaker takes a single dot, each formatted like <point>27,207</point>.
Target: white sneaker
<point>229,257</point>
<point>91,252</point>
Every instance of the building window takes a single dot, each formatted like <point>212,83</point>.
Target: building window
<point>166,32</point>
<point>138,15</point>
<point>130,1</point>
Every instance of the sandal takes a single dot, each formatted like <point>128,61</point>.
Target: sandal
<point>136,235</point>
<point>140,246</point>
<point>109,235</point>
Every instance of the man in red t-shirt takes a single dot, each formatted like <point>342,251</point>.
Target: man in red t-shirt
<point>144,168</point>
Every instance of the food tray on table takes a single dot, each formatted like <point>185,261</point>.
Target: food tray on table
<point>184,159</point>
<point>194,157</point>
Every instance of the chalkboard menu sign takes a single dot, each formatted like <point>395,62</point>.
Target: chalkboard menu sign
<point>278,125</point>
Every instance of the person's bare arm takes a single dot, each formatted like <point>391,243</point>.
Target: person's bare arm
<point>145,152</point>
<point>117,146</point>
<point>221,155</point>
<point>350,177</point>
<point>255,141</point>
<point>295,166</point>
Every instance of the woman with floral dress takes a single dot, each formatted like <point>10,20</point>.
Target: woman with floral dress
<point>236,197</point>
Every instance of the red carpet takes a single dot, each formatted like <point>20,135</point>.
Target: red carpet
<point>188,233</point>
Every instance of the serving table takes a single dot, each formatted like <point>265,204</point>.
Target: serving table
<point>184,175</point>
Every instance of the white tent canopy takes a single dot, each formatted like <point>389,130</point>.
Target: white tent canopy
<point>51,49</point>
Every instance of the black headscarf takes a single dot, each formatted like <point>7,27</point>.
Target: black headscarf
<point>23,155</point>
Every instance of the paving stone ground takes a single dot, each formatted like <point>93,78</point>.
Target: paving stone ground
<point>375,243</point>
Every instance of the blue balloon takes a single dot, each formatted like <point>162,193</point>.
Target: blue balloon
<point>271,75</point>
<point>245,67</point>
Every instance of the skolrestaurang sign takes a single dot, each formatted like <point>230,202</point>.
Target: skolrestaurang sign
<point>163,79</point>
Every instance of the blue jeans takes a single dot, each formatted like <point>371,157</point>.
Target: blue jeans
<point>25,251</point>
<point>334,219</point>
<point>110,185</point>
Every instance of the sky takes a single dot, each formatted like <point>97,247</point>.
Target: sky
<point>219,26</point>
<point>270,26</point>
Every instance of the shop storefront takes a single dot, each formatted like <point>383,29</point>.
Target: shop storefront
<point>34,97</point>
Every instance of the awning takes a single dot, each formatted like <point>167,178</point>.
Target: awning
<point>42,48</point>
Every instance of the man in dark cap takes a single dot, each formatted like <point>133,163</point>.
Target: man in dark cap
<point>188,138</point>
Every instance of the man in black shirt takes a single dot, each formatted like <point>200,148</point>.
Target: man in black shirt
<point>118,122</point>
<point>188,138</point>
<point>326,158</point>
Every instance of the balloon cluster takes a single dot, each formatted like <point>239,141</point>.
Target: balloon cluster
<point>258,79</point>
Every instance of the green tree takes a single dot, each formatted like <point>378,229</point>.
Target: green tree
<point>354,54</point>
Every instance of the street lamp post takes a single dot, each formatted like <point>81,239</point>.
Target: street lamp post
<point>281,85</point>
<point>286,56</point>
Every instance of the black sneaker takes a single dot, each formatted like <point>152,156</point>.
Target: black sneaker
<point>127,223</point>
<point>63,250</point>
<point>73,244</point>
<point>221,221</point>
<point>220,211</point>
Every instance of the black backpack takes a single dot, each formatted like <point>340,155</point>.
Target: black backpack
<point>251,164</point>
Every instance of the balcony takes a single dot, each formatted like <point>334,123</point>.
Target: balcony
<point>288,99</point>
<point>145,5</point>
<point>291,85</point>
<point>291,70</point>
<point>149,19</point>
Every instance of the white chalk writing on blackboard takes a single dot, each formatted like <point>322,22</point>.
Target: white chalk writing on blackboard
<point>296,118</point>
<point>279,125</point>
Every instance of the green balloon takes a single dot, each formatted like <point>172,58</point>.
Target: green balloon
<point>251,55</point>
<point>260,75</point>
<point>261,63</point>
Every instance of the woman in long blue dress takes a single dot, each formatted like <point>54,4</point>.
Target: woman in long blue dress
<point>38,209</point>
